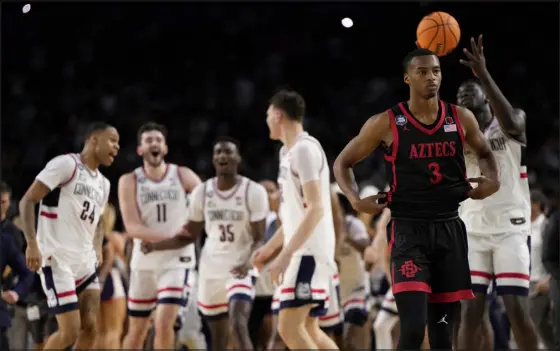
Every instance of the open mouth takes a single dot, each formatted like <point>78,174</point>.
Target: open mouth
<point>222,163</point>
<point>155,153</point>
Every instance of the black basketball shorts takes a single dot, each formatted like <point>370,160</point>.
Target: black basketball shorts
<point>430,256</point>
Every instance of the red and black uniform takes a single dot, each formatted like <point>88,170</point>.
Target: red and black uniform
<point>427,175</point>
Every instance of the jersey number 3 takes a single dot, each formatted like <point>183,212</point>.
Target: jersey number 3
<point>86,214</point>
<point>436,176</point>
<point>227,233</point>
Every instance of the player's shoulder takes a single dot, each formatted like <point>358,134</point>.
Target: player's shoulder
<point>64,160</point>
<point>255,186</point>
<point>307,143</point>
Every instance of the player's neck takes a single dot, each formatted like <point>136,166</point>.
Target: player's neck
<point>89,160</point>
<point>155,172</point>
<point>226,181</point>
<point>420,105</point>
<point>290,133</point>
<point>535,215</point>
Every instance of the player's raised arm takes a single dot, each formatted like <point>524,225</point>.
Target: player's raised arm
<point>489,183</point>
<point>189,232</point>
<point>189,179</point>
<point>131,218</point>
<point>373,132</point>
<point>512,121</point>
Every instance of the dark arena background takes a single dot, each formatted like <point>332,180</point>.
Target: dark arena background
<point>208,69</point>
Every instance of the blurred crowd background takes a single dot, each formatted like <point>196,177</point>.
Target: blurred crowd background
<point>207,69</point>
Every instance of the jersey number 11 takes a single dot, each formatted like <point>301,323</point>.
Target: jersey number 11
<point>161,213</point>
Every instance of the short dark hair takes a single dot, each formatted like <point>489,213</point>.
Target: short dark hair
<point>227,139</point>
<point>5,188</point>
<point>95,127</point>
<point>415,53</point>
<point>538,197</point>
<point>291,102</point>
<point>148,127</point>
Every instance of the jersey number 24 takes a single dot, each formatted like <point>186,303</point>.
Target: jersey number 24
<point>87,213</point>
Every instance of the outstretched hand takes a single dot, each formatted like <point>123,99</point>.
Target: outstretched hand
<point>476,60</point>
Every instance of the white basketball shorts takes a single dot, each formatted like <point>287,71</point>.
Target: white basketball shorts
<point>62,282</point>
<point>504,257</point>
<point>357,305</point>
<point>214,294</point>
<point>305,282</point>
<point>389,305</point>
<point>151,287</point>
<point>333,319</point>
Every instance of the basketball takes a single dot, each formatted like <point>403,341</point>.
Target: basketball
<point>438,32</point>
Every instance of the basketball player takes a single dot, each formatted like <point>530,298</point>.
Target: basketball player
<point>232,209</point>
<point>423,140</point>
<point>153,203</point>
<point>332,323</point>
<point>112,314</point>
<point>354,281</point>
<point>498,226</point>
<point>67,247</point>
<point>305,267</point>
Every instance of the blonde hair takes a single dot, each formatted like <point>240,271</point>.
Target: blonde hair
<point>108,219</point>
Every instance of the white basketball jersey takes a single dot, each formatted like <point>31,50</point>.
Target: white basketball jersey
<point>509,209</point>
<point>321,242</point>
<point>227,217</point>
<point>162,206</point>
<point>351,263</point>
<point>69,214</point>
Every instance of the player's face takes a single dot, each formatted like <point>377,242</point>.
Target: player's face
<point>471,96</point>
<point>153,147</point>
<point>226,158</point>
<point>5,205</point>
<point>273,118</point>
<point>107,146</point>
<point>424,75</point>
<point>273,194</point>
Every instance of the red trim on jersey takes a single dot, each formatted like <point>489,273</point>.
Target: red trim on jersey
<point>411,286</point>
<point>459,129</point>
<point>66,293</point>
<point>523,175</point>
<point>512,276</point>
<point>142,301</point>
<point>392,239</point>
<point>153,179</point>
<point>235,286</point>
<point>448,297</point>
<point>332,316</point>
<point>291,290</point>
<point>417,124</point>
<point>481,274</point>
<point>395,148</point>
<point>209,307</point>
<point>73,172</point>
<point>48,215</point>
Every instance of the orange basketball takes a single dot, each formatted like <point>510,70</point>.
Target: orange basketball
<point>438,32</point>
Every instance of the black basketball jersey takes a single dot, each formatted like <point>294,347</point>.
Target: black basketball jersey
<point>425,164</point>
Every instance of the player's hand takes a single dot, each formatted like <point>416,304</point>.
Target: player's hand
<point>146,247</point>
<point>33,256</point>
<point>370,255</point>
<point>260,257</point>
<point>241,271</point>
<point>485,188</point>
<point>476,60</point>
<point>278,267</point>
<point>10,296</point>
<point>369,204</point>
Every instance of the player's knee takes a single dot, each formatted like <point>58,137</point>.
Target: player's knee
<point>239,323</point>
<point>69,334</point>
<point>517,308</point>
<point>89,326</point>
